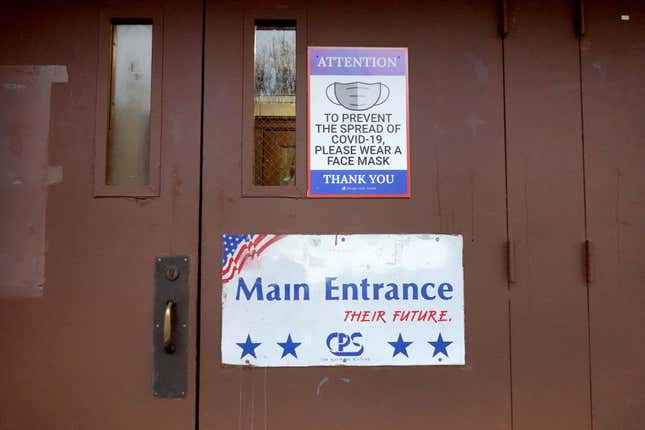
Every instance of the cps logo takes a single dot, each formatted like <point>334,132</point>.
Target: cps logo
<point>344,345</point>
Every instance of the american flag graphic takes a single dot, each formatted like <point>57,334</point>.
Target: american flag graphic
<point>238,248</point>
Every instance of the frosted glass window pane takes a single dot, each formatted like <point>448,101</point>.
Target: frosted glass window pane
<point>128,150</point>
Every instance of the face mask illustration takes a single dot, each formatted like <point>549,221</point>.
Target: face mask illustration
<point>357,95</point>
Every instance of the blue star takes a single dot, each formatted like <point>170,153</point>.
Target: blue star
<point>440,346</point>
<point>248,347</point>
<point>289,347</point>
<point>400,346</point>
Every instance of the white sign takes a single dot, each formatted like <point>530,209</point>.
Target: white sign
<point>358,122</point>
<point>357,300</point>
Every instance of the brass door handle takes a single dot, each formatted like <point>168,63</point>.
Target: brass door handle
<point>168,327</point>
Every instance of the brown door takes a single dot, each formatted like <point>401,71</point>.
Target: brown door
<point>548,300</point>
<point>613,57</point>
<point>536,138</point>
<point>458,186</point>
<point>76,348</point>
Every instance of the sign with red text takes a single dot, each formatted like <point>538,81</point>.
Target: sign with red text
<point>358,122</point>
<point>351,300</point>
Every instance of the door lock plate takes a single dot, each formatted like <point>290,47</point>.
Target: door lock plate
<point>170,327</point>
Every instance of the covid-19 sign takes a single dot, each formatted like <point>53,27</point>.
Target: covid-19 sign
<point>358,122</point>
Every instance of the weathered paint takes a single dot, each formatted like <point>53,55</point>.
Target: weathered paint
<point>547,121</point>
<point>25,113</point>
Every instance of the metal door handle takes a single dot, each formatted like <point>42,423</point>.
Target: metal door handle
<point>169,337</point>
<point>168,326</point>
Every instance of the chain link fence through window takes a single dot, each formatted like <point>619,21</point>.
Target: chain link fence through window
<point>275,141</point>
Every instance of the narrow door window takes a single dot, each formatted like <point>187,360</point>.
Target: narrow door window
<point>128,114</point>
<point>274,112</point>
<point>128,148</point>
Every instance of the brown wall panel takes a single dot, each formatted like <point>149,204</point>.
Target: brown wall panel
<point>458,186</point>
<point>613,59</point>
<point>549,331</point>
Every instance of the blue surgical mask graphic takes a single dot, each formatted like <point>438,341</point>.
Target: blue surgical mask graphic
<point>357,95</point>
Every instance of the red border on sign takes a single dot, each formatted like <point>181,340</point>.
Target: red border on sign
<point>407,129</point>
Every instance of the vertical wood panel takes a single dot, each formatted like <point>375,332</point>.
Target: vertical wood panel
<point>549,318</point>
<point>613,60</point>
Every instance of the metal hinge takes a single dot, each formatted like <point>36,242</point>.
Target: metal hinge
<point>589,260</point>
<point>579,7</point>
<point>503,16</point>
<point>510,261</point>
<point>580,17</point>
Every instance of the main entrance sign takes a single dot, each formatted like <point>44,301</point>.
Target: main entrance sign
<point>358,300</point>
<point>358,122</point>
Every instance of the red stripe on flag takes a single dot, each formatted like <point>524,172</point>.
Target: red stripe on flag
<point>254,253</point>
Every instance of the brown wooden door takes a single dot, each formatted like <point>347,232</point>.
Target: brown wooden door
<point>548,301</point>
<point>458,186</point>
<point>613,88</point>
<point>77,352</point>
<point>536,138</point>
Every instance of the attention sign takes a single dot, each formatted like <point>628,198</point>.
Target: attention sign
<point>357,300</point>
<point>358,122</point>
